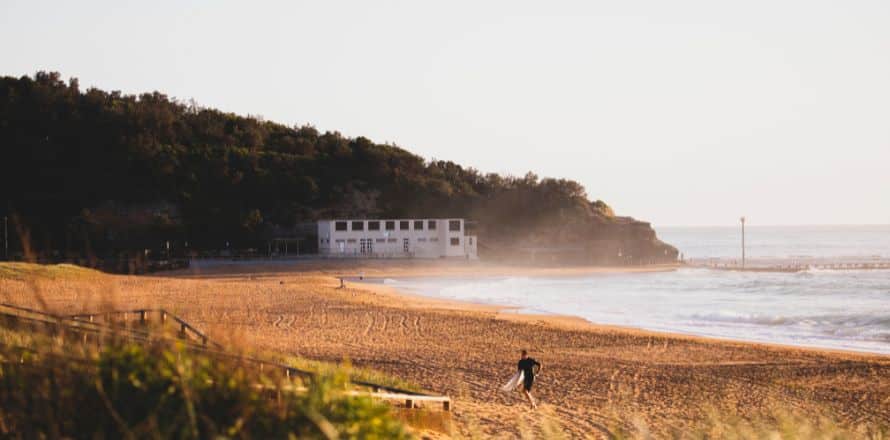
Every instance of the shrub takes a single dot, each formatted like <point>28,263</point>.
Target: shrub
<point>132,391</point>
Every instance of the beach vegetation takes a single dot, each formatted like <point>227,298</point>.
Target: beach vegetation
<point>134,391</point>
<point>775,424</point>
<point>27,271</point>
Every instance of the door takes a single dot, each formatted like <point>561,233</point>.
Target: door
<point>366,246</point>
<point>406,245</point>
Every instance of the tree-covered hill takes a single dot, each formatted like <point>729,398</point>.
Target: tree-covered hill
<point>89,171</point>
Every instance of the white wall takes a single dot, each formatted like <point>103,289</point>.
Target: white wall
<point>423,242</point>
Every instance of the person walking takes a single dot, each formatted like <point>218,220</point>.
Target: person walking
<point>527,366</point>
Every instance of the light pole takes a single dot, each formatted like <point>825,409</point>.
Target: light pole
<point>743,241</point>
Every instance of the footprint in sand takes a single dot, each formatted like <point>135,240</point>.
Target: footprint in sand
<point>385,322</point>
<point>417,328</point>
<point>290,322</point>
<point>402,326</point>
<point>370,324</point>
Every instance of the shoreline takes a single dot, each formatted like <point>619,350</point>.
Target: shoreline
<point>517,313</point>
<point>349,268</point>
<point>375,272</point>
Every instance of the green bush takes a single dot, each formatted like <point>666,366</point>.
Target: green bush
<point>130,391</point>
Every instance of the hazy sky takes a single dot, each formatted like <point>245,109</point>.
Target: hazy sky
<point>676,112</point>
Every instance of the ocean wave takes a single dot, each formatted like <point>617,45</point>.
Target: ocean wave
<point>843,309</point>
<point>833,323</point>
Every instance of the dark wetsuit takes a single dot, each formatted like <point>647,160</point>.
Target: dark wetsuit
<point>527,366</point>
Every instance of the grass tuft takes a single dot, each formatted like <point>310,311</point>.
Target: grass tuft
<point>29,271</point>
<point>161,391</point>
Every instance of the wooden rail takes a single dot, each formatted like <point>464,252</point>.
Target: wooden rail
<point>383,392</point>
<point>87,324</point>
<point>63,324</point>
<point>184,327</point>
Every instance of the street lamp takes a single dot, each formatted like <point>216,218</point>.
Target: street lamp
<point>743,241</point>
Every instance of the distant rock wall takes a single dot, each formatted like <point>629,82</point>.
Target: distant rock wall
<point>617,241</point>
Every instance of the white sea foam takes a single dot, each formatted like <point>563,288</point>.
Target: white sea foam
<point>848,309</point>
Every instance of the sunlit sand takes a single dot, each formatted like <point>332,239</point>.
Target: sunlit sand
<point>597,378</point>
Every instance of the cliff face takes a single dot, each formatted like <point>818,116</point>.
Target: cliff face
<point>592,236</point>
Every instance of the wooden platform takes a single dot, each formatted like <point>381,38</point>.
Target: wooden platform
<point>789,267</point>
<point>100,327</point>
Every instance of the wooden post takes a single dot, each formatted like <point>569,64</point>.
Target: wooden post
<point>743,242</point>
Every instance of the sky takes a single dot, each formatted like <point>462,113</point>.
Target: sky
<point>675,112</point>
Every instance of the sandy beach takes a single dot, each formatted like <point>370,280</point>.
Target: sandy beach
<point>596,379</point>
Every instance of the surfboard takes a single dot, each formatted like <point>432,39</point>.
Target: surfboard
<point>514,382</point>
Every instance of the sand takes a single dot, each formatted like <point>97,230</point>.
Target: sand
<point>596,379</point>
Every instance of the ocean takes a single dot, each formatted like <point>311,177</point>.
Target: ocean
<point>840,309</point>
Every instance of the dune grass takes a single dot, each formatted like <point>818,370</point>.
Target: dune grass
<point>776,423</point>
<point>127,390</point>
<point>24,271</point>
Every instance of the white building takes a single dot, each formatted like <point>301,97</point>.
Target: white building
<point>398,238</point>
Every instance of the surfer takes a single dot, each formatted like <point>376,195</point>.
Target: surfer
<point>527,366</point>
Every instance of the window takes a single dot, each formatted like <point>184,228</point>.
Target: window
<point>391,240</point>
<point>403,225</point>
<point>373,226</point>
<point>471,241</point>
<point>358,226</point>
<point>340,226</point>
<point>390,225</point>
<point>454,225</point>
<point>455,241</point>
<point>351,240</point>
<point>421,239</point>
<point>431,225</point>
<point>381,240</point>
<point>418,225</point>
<point>342,241</point>
<point>434,239</point>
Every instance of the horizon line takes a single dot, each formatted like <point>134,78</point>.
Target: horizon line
<point>748,225</point>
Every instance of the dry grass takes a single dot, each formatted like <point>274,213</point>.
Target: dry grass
<point>28,271</point>
<point>597,380</point>
<point>129,390</point>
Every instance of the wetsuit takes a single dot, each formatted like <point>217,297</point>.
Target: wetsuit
<point>527,366</point>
